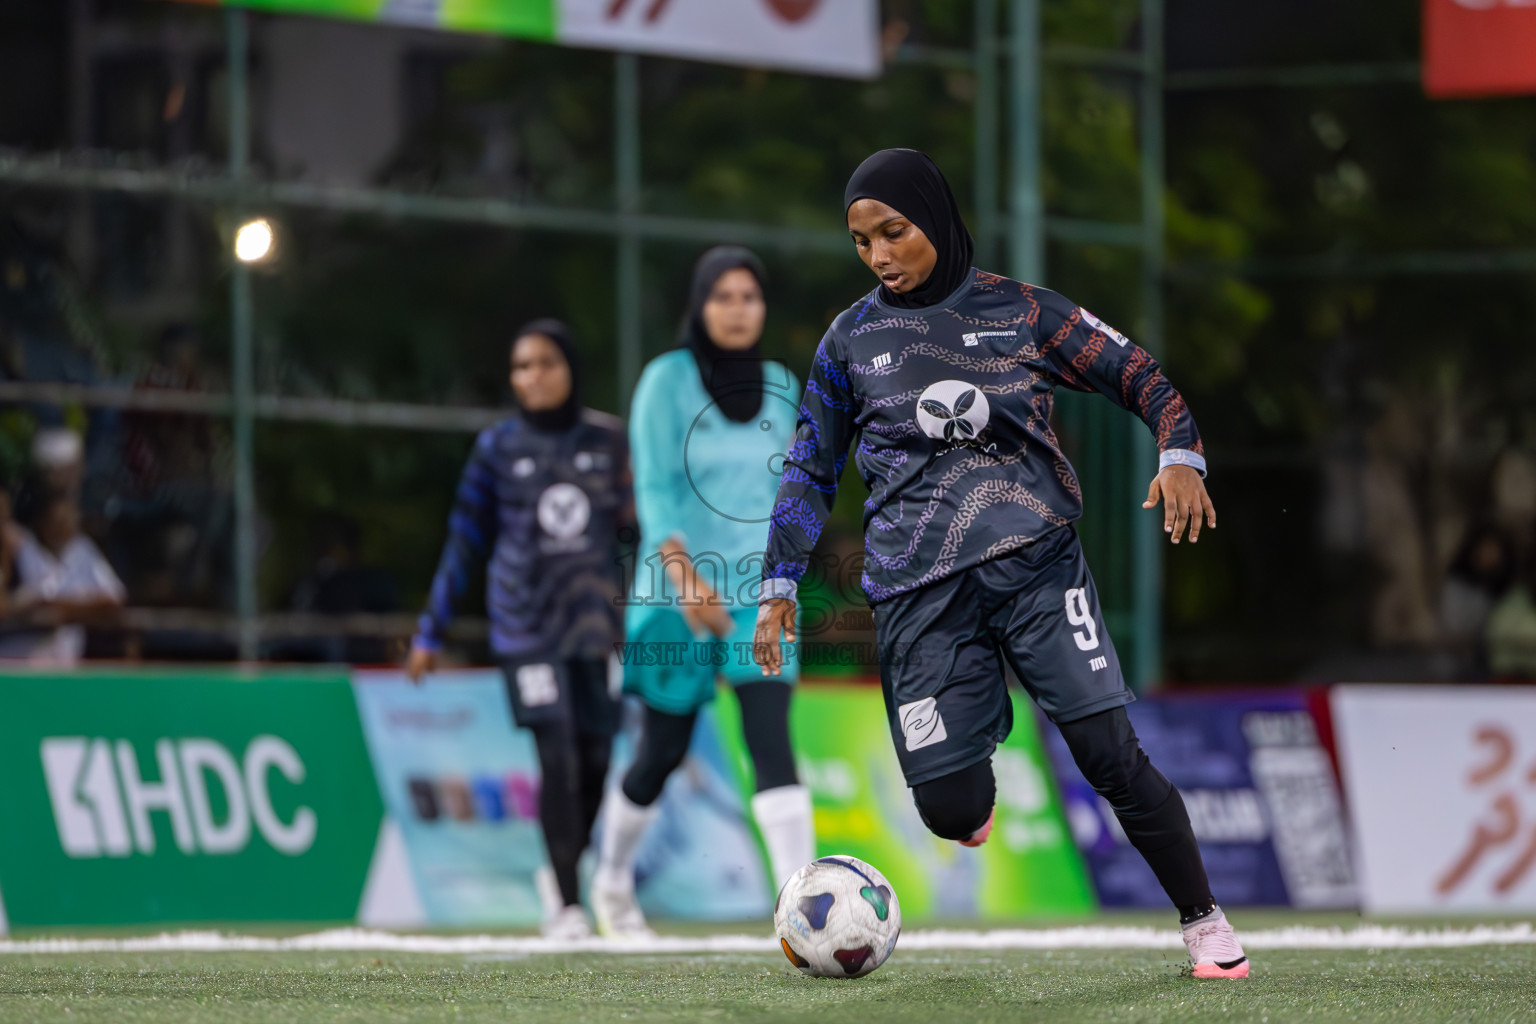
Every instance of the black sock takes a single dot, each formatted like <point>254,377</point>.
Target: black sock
<point>560,805</point>
<point>663,744</point>
<point>765,727</point>
<point>1149,808</point>
<point>594,752</point>
<point>1194,912</point>
<point>1164,837</point>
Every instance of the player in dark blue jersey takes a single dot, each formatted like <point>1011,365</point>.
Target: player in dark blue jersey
<point>943,377</point>
<point>542,505</point>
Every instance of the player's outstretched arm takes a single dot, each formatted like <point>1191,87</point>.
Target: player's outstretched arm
<point>472,527</point>
<point>812,466</point>
<point>1184,499</point>
<point>775,626</point>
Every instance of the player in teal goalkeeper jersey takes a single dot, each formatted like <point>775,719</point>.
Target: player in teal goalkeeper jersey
<point>709,426</point>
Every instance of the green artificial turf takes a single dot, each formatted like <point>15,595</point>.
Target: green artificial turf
<point>1485,983</point>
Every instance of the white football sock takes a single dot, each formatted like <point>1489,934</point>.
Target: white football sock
<point>624,825</point>
<point>784,817</point>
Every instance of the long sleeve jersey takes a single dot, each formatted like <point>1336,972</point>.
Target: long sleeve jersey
<point>703,479</point>
<point>950,407</point>
<point>542,511</point>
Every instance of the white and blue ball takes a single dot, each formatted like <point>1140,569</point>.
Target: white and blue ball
<point>837,917</point>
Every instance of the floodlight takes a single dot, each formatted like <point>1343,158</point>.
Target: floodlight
<point>253,241</point>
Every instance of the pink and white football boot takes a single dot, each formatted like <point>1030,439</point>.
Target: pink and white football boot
<point>1213,947</point>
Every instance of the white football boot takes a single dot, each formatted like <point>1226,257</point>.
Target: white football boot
<point>615,908</point>
<point>612,893</point>
<point>548,888</point>
<point>1213,947</point>
<point>569,924</point>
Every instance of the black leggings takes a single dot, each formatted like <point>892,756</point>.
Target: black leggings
<point>573,766</point>
<point>764,724</point>
<point>1107,752</point>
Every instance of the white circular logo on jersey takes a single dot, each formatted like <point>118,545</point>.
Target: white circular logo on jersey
<point>564,511</point>
<point>952,410</point>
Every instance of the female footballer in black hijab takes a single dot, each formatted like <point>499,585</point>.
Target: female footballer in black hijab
<point>732,376</point>
<point>907,181</point>
<point>541,507</point>
<point>945,375</point>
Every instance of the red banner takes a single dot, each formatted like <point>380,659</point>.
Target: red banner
<point>1479,47</point>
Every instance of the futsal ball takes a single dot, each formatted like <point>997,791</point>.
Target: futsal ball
<point>837,917</point>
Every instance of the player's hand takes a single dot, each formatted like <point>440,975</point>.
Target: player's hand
<point>709,615</point>
<point>419,662</point>
<point>1184,501</point>
<point>775,618</point>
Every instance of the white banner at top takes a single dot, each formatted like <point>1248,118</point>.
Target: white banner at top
<point>832,37</point>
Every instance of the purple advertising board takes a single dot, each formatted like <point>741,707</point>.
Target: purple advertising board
<point>1261,793</point>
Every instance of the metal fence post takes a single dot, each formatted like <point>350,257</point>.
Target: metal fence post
<point>242,371</point>
<point>626,144</point>
<point>986,121</point>
<point>1026,241</point>
<point>1147,537</point>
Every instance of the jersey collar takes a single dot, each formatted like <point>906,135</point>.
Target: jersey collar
<point>938,307</point>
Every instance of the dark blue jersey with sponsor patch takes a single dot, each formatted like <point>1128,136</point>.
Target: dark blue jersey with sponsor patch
<point>542,511</point>
<point>949,408</point>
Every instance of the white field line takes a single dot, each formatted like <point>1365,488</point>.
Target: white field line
<point>365,940</point>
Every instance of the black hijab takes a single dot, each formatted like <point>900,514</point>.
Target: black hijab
<point>734,379</point>
<point>565,415</point>
<point>911,184</point>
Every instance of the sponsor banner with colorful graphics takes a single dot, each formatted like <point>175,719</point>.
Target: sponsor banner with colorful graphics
<point>462,786</point>
<point>1029,866</point>
<point>462,782</point>
<point>135,797</point>
<point>163,796</point>
<point>1441,783</point>
<point>1261,795</point>
<point>834,37</point>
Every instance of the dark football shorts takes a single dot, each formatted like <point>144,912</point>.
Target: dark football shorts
<point>942,649</point>
<point>581,692</point>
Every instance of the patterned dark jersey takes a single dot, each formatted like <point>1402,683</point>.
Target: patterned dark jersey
<point>950,408</point>
<point>542,511</point>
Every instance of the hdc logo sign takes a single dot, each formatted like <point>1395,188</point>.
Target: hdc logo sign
<point>102,802</point>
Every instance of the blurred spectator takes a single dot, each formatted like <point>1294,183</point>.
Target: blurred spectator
<point>58,461</point>
<point>160,447</point>
<point>341,583</point>
<point>1478,577</point>
<point>44,335</point>
<point>10,543</point>
<point>64,584</point>
<point>1401,615</point>
<point>171,522</point>
<point>1512,629</point>
<point>1512,497</point>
